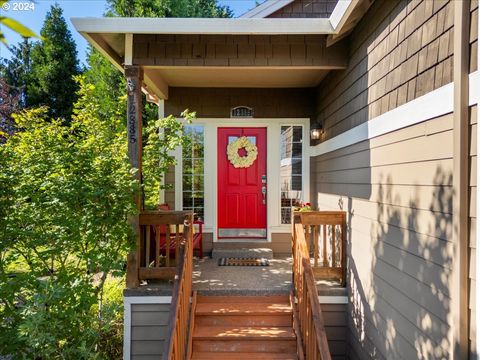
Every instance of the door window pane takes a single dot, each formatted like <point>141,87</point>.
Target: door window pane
<point>253,139</point>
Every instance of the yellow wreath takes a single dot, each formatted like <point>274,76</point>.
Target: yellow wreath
<point>242,161</point>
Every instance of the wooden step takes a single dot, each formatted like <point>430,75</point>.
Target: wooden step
<point>243,333</point>
<point>243,356</point>
<point>236,346</point>
<point>243,327</point>
<point>276,319</point>
<point>243,299</point>
<point>240,309</point>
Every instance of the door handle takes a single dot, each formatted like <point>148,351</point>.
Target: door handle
<point>264,194</point>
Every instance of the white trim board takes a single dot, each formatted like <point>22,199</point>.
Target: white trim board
<point>127,317</point>
<point>431,105</point>
<point>147,300</point>
<point>333,299</point>
<point>339,12</point>
<point>203,26</point>
<point>266,8</point>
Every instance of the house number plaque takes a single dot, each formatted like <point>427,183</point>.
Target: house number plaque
<point>241,112</point>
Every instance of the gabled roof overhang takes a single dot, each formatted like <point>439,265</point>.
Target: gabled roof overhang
<point>114,38</point>
<point>266,8</point>
<point>343,19</point>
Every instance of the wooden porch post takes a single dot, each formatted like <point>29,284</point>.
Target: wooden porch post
<point>459,305</point>
<point>134,77</point>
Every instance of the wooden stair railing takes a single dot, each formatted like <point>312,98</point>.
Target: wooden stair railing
<point>325,235</point>
<point>160,233</point>
<point>176,343</point>
<point>308,318</point>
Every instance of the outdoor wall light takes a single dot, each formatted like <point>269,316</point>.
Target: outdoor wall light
<point>316,131</point>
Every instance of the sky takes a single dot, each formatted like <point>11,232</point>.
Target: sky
<point>34,14</point>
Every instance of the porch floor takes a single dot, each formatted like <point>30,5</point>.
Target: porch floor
<point>211,279</point>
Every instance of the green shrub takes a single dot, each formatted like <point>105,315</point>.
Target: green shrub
<point>65,195</point>
<point>66,192</point>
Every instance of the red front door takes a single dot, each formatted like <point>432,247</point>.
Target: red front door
<point>242,209</point>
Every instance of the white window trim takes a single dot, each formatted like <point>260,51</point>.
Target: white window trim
<point>305,170</point>
<point>273,126</point>
<point>127,317</point>
<point>178,154</point>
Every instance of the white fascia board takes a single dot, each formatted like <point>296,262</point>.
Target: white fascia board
<point>337,19</point>
<point>265,9</point>
<point>339,13</point>
<point>242,26</point>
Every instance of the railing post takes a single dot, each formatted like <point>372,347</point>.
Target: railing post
<point>134,77</point>
<point>344,250</point>
<point>132,271</point>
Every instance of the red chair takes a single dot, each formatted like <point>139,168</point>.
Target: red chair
<point>197,236</point>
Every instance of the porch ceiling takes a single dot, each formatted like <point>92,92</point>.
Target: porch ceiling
<point>264,77</point>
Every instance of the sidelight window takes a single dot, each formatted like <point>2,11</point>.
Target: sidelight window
<point>193,170</point>
<point>291,152</point>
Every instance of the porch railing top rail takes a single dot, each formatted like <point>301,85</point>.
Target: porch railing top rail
<point>163,217</point>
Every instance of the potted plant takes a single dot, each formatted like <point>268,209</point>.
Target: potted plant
<point>306,207</point>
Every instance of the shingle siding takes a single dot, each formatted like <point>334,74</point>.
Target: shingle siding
<point>217,102</point>
<point>306,9</point>
<point>399,51</point>
<point>236,50</point>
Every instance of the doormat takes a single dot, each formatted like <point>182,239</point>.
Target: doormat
<point>243,262</point>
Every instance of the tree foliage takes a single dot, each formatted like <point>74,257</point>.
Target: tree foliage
<point>54,63</point>
<point>65,195</point>
<point>168,8</point>
<point>9,103</point>
<point>157,153</point>
<point>66,192</point>
<point>107,79</point>
<point>16,70</point>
